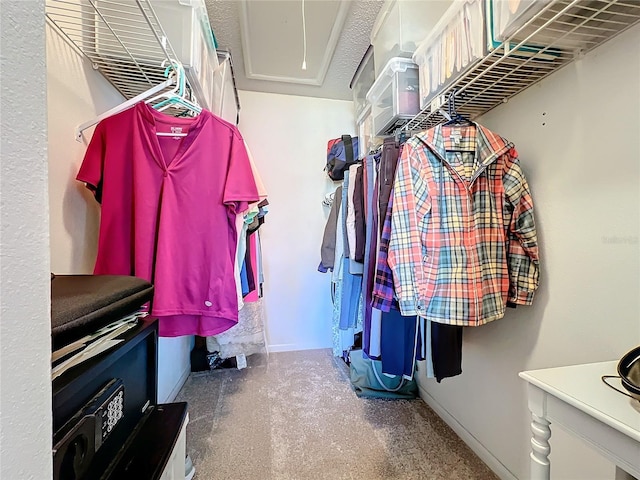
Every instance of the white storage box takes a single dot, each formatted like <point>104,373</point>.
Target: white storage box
<point>455,44</point>
<point>501,26</point>
<point>225,103</point>
<point>361,83</point>
<point>509,15</point>
<point>394,96</point>
<point>400,27</point>
<point>508,19</point>
<point>188,30</point>
<point>366,137</point>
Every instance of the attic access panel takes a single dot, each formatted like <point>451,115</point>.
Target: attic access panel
<point>272,38</point>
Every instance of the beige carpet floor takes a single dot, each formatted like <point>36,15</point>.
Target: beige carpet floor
<point>294,416</point>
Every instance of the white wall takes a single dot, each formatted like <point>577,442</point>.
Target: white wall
<point>174,366</point>
<point>76,94</point>
<point>577,135</point>
<point>288,138</point>
<point>25,344</point>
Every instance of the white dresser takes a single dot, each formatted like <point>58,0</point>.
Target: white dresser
<point>576,398</point>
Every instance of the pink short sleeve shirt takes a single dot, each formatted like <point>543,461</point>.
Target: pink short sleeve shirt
<point>169,205</point>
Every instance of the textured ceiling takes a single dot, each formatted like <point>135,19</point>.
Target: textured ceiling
<point>351,46</point>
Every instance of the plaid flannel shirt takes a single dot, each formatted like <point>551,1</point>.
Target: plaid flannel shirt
<point>463,238</point>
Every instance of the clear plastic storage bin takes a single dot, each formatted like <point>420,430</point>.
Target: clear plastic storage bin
<point>361,83</point>
<point>224,94</point>
<point>366,137</point>
<point>455,44</point>
<point>400,27</point>
<point>188,30</point>
<point>394,96</point>
<point>508,19</point>
<point>509,15</point>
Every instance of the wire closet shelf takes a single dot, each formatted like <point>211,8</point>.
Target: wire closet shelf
<point>561,32</point>
<point>123,39</point>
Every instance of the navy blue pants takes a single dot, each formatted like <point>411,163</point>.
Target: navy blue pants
<point>398,343</point>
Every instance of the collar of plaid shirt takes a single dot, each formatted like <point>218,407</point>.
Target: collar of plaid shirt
<point>463,238</point>
<point>486,146</point>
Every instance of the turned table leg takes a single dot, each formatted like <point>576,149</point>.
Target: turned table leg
<point>540,448</point>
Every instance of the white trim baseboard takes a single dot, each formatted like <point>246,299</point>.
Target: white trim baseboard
<point>294,347</point>
<point>485,455</point>
<point>281,347</point>
<point>174,391</point>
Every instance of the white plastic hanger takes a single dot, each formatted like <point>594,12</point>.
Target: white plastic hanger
<point>174,97</point>
<point>122,107</point>
<point>175,76</point>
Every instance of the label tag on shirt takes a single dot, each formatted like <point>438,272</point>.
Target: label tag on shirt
<point>177,131</point>
<point>455,137</point>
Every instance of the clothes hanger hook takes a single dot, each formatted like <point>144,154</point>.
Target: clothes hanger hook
<point>452,103</point>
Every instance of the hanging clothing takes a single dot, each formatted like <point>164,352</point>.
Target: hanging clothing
<point>262,191</point>
<point>355,266</point>
<point>251,260</point>
<point>399,346</point>
<point>383,295</point>
<point>248,267</point>
<point>247,337</point>
<point>260,265</point>
<point>342,339</point>
<point>348,308</point>
<point>388,164</point>
<point>350,298</point>
<point>169,207</point>
<point>440,345</point>
<point>358,210</point>
<point>328,247</point>
<point>344,206</point>
<point>446,350</point>
<point>371,321</point>
<point>351,213</point>
<point>463,238</point>
<point>241,248</point>
<point>244,225</point>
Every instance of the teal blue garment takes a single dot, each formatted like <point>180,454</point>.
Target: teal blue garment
<point>244,280</point>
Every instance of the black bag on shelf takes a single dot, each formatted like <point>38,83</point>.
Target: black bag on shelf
<point>341,154</point>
